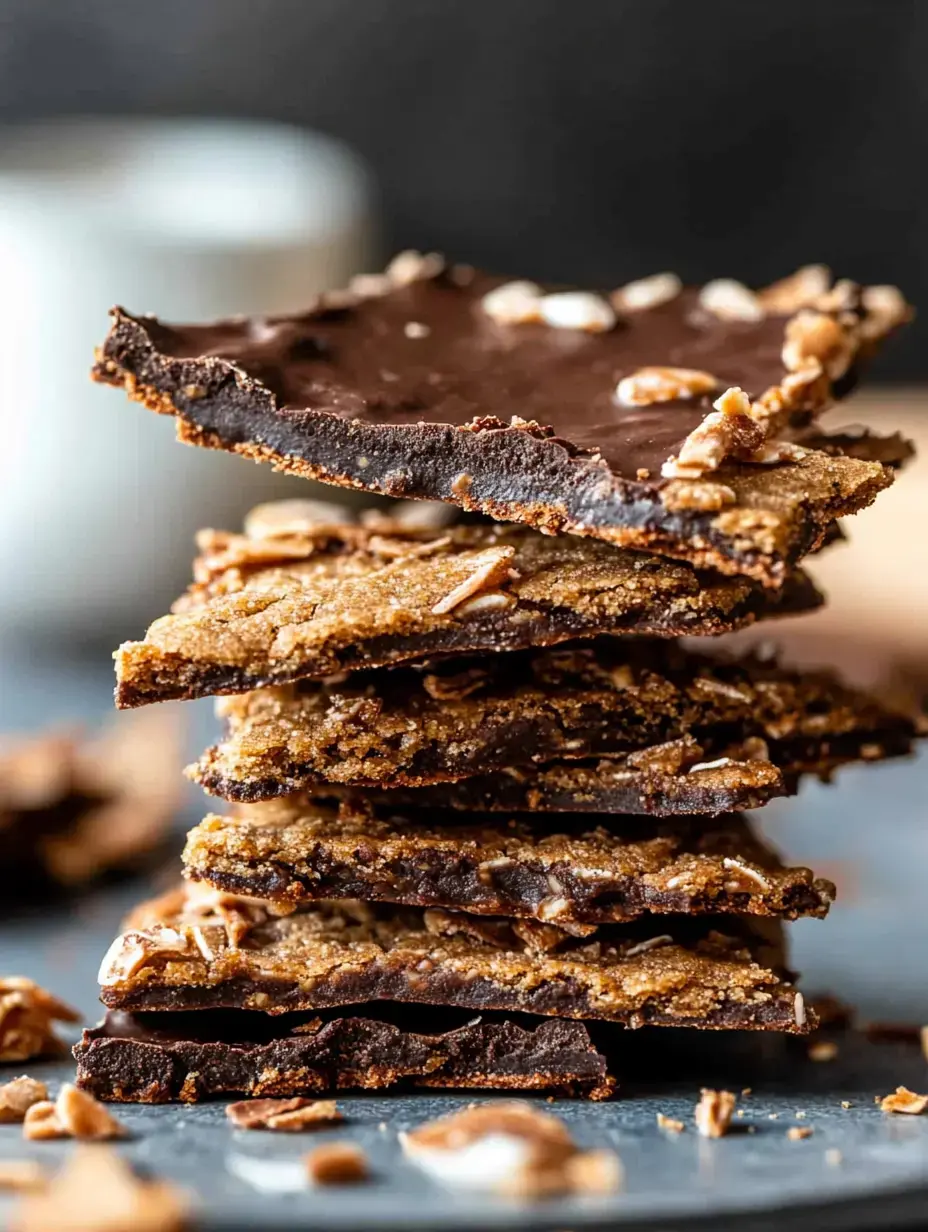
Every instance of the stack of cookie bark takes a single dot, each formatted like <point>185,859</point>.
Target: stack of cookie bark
<point>486,792</point>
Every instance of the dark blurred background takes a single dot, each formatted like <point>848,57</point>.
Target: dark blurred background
<point>587,140</point>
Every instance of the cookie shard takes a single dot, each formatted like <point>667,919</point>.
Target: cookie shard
<point>457,718</point>
<point>320,599</point>
<point>156,1058</point>
<point>559,870</point>
<point>713,975</point>
<point>521,421</point>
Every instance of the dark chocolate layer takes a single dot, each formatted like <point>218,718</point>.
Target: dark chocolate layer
<point>517,421</point>
<point>556,869</point>
<point>457,718</point>
<point>706,972</point>
<point>159,1058</point>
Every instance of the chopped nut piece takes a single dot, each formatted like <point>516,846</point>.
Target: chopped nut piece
<point>714,1112</point>
<point>513,303</point>
<point>904,1100</point>
<point>594,1172</point>
<point>337,1163</point>
<point>283,1115</point>
<point>646,293</point>
<point>27,1015</point>
<point>797,1132</point>
<point>412,266</point>
<point>577,310</point>
<point>656,384</point>
<point>512,1148</point>
<point>730,430</point>
<point>82,1116</point>
<point>670,1124</point>
<point>886,308</point>
<point>815,336</point>
<point>823,1050</point>
<point>22,1174</point>
<point>18,1096</point>
<point>796,291</point>
<point>97,1191</point>
<point>41,1123</point>
<point>730,300</point>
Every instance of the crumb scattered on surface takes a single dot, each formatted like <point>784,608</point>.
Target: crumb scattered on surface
<point>670,1124</point>
<point>796,1132</point>
<point>904,1100</point>
<point>747,1090</point>
<point>18,1096</point>
<point>833,1156</point>
<point>23,1175</point>
<point>823,1050</point>
<point>714,1112</point>
<point>283,1115</point>
<point>846,1103</point>
<point>800,1115</point>
<point>27,1017</point>
<point>532,1153</point>
<point>337,1163</point>
<point>97,1191</point>
<point>74,1114</point>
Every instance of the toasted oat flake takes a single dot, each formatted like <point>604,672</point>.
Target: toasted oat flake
<point>799,1010</point>
<point>652,943</point>
<point>904,1100</point>
<point>97,1191</point>
<point>646,293</point>
<point>337,1163</point>
<point>279,519</point>
<point>18,1096</point>
<point>730,300</point>
<point>670,1124</point>
<point>283,1115</point>
<point>491,571</point>
<point>738,866</point>
<point>797,1132</point>
<point>657,384</point>
<point>714,1112</point>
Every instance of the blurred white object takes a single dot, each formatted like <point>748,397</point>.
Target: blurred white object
<point>187,219</point>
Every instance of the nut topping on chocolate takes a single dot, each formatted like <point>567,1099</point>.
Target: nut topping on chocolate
<point>650,385</point>
<point>646,293</point>
<point>730,300</point>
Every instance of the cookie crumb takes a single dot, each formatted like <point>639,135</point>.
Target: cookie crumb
<point>27,1017</point>
<point>798,1132</point>
<point>97,1191</point>
<point>670,1124</point>
<point>23,1175</point>
<point>714,1112</point>
<point>283,1115</point>
<point>18,1096</point>
<point>74,1114</point>
<point>337,1163</point>
<point>904,1100</point>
